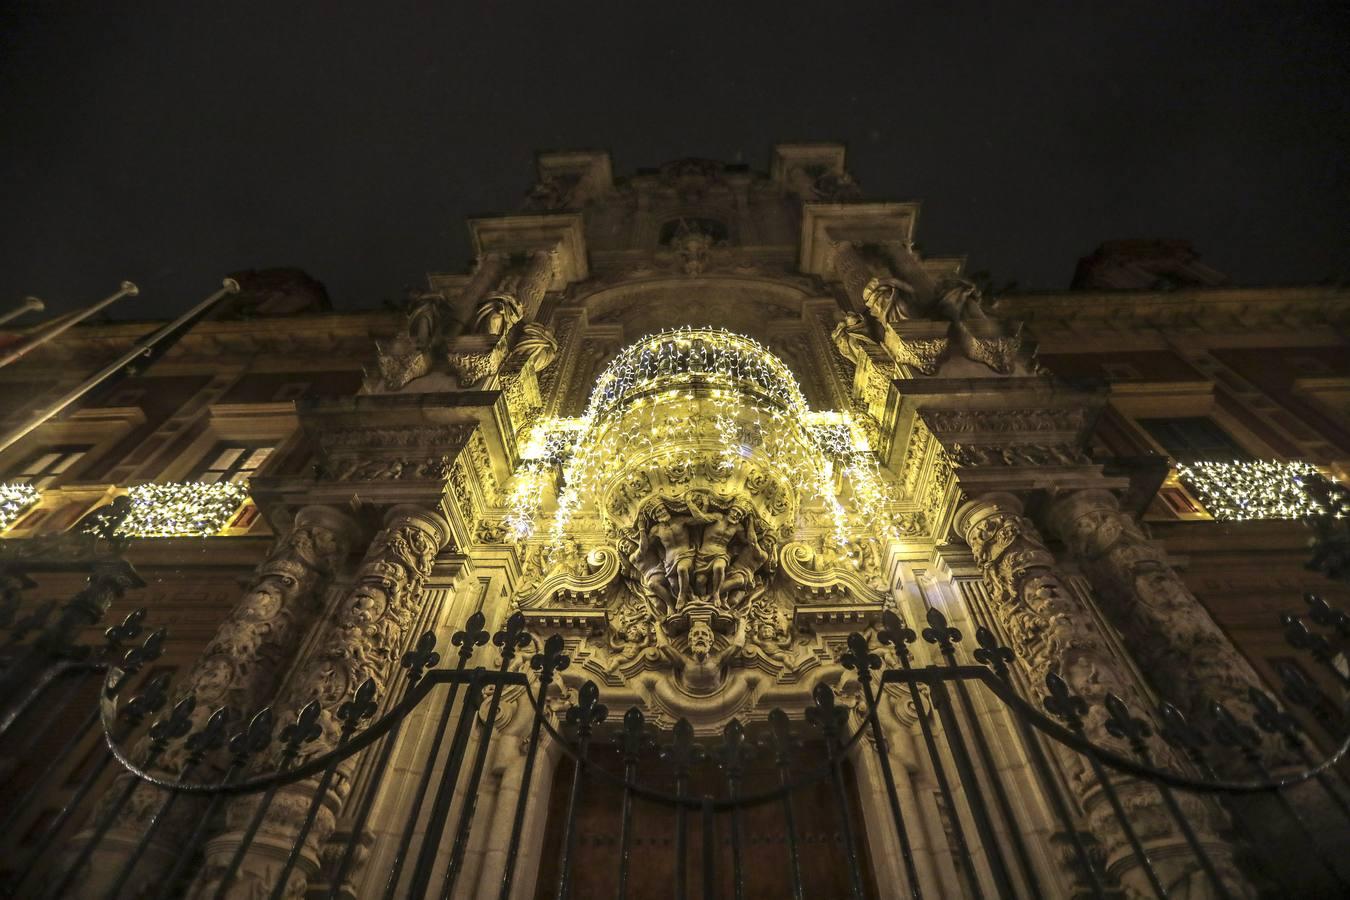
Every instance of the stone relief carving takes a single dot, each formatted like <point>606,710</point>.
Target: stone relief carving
<point>920,320</point>
<point>1017,455</point>
<point>413,351</point>
<point>1188,658</point>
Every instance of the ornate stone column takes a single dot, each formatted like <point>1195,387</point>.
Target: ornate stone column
<point>1187,658</point>
<point>239,670</point>
<point>368,634</point>
<point>1053,631</point>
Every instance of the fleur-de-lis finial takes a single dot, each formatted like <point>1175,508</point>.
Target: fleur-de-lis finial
<point>894,632</point>
<point>1179,732</point>
<point>178,723</point>
<point>304,729</point>
<point>362,706</point>
<point>472,637</point>
<point>133,660</point>
<point>1326,615</point>
<point>1271,719</point>
<point>860,658</point>
<point>992,654</point>
<point>940,633</point>
<point>149,701</point>
<point>211,736</point>
<point>1298,690</point>
<point>1120,724</point>
<point>421,657</point>
<point>634,735</point>
<point>588,711</point>
<point>1229,732</point>
<point>511,638</point>
<point>1297,635</point>
<point>1062,703</point>
<point>127,630</point>
<point>682,751</point>
<point>734,750</point>
<point>255,738</point>
<point>825,715</point>
<point>784,741</point>
<point>550,660</point>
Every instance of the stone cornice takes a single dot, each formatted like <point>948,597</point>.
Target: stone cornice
<point>1202,310</point>
<point>347,333</point>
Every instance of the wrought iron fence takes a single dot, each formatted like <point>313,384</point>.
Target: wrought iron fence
<point>161,762</point>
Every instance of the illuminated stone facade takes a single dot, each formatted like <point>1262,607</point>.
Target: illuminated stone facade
<point>702,422</point>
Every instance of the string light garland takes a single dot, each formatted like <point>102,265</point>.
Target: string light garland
<point>181,509</point>
<point>1261,489</point>
<point>671,395</point>
<point>15,500</point>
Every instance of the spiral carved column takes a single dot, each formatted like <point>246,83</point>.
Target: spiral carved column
<point>370,629</point>
<point>1188,659</point>
<point>1054,632</point>
<point>239,670</point>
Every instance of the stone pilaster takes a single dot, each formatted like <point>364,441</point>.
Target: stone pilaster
<point>369,631</point>
<point>239,671</point>
<point>1187,658</point>
<point>1054,632</point>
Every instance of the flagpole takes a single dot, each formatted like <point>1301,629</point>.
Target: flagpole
<point>126,290</point>
<point>29,304</point>
<point>175,329</point>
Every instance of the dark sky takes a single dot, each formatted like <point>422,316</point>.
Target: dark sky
<point>174,142</point>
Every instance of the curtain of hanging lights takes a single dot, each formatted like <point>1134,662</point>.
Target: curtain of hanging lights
<point>758,410</point>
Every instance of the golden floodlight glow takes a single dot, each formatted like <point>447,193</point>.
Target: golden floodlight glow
<point>757,408</point>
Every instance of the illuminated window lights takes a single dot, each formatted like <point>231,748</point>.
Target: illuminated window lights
<point>182,509</point>
<point>1263,489</point>
<point>15,500</point>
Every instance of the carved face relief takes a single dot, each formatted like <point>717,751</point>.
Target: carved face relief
<point>212,680</point>
<point>368,603</point>
<point>267,597</point>
<point>701,639</point>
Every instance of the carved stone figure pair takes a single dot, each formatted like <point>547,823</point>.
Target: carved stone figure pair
<point>699,549</point>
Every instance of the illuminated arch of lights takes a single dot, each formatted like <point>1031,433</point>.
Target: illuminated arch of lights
<point>758,411</point>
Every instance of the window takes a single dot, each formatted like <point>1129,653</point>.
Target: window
<point>232,462</point>
<point>47,466</point>
<point>1194,439</point>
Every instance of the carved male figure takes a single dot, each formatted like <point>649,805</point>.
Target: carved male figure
<point>496,313</point>
<point>715,549</point>
<point>677,549</point>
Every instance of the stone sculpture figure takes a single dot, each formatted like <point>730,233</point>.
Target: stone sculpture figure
<point>714,552</point>
<point>677,550</point>
<point>497,313</point>
<point>851,338</point>
<point>891,300</point>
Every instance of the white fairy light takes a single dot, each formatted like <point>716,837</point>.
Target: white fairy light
<point>181,509</point>
<point>757,411</point>
<point>15,500</point>
<point>1259,489</point>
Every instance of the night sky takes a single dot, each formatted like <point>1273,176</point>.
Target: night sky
<point>174,142</point>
